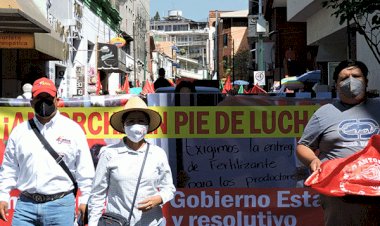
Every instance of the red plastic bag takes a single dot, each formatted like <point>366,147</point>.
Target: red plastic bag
<point>358,174</point>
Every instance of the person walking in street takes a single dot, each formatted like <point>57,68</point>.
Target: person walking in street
<point>47,190</point>
<point>27,91</point>
<point>331,134</point>
<point>161,80</point>
<point>117,173</point>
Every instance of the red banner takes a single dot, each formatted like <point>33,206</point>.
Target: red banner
<point>243,206</point>
<point>236,207</point>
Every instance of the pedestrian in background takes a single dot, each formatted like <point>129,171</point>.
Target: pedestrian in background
<point>119,166</point>
<point>331,134</point>
<point>27,91</point>
<point>161,80</point>
<point>47,196</point>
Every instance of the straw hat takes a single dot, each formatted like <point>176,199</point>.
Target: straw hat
<point>135,104</point>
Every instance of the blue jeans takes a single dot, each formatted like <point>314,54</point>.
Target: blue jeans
<point>59,212</point>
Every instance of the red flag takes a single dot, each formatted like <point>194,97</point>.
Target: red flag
<point>98,84</point>
<point>126,84</point>
<point>151,84</point>
<point>227,85</point>
<point>257,89</point>
<point>148,87</point>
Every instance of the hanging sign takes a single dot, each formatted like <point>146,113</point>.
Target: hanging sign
<point>118,41</point>
<point>259,78</point>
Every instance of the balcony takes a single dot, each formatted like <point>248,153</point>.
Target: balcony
<point>300,11</point>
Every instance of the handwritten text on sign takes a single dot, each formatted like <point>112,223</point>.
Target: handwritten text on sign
<point>240,163</point>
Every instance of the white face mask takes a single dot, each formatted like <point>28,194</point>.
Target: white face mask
<point>136,132</point>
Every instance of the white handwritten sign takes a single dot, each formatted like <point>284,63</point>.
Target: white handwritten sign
<point>240,163</point>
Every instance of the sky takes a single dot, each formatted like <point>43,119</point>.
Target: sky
<point>196,10</point>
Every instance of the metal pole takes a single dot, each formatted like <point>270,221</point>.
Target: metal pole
<point>348,40</point>
<point>233,61</point>
<point>134,47</point>
<point>145,53</point>
<point>172,62</point>
<point>216,66</point>
<point>134,54</point>
<point>260,43</point>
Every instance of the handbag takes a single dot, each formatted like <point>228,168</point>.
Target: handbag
<point>357,174</point>
<point>114,219</point>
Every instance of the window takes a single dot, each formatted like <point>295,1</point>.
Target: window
<point>181,27</point>
<point>225,40</point>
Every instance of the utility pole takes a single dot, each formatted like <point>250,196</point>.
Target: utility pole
<point>260,29</point>
<point>145,53</point>
<point>134,54</point>
<point>233,60</point>
<point>216,65</point>
<point>134,46</point>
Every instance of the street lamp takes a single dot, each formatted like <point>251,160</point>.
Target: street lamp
<point>261,29</point>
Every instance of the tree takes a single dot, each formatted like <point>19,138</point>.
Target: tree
<point>240,64</point>
<point>157,17</point>
<point>365,17</point>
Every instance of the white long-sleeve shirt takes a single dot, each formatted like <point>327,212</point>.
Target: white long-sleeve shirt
<point>29,167</point>
<point>116,178</point>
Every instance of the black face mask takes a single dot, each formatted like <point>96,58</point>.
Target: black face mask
<point>44,108</point>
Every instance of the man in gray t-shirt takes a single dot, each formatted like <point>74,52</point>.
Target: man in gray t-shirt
<point>339,130</point>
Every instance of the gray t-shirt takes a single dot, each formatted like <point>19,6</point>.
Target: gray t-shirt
<point>339,130</point>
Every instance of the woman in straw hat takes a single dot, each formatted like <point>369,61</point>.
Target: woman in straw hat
<point>119,167</point>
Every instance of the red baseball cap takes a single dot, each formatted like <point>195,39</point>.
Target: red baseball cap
<point>44,85</point>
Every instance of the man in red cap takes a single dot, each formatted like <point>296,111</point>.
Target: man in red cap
<point>47,196</point>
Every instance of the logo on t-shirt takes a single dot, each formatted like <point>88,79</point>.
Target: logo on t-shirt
<point>353,129</point>
<point>62,140</point>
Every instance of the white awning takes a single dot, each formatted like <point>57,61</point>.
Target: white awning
<point>50,44</point>
<point>22,16</point>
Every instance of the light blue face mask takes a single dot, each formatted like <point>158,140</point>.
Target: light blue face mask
<point>351,87</point>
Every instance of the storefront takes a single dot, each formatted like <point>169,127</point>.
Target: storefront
<point>27,43</point>
<point>111,66</point>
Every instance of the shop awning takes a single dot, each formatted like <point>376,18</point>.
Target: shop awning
<point>50,44</point>
<point>22,16</point>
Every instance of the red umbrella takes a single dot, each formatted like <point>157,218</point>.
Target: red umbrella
<point>126,84</point>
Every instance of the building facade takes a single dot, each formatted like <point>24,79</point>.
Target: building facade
<point>310,34</point>
<point>230,39</point>
<point>188,44</point>
<point>68,41</point>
